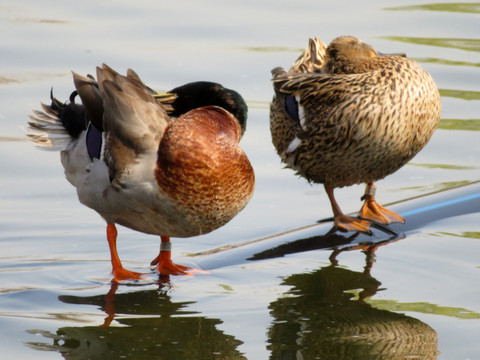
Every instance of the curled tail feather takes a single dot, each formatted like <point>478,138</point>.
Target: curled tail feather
<point>57,124</point>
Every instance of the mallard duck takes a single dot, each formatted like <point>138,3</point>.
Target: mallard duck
<point>162,164</point>
<point>346,114</point>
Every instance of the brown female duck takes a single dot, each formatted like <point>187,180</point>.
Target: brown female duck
<point>345,114</point>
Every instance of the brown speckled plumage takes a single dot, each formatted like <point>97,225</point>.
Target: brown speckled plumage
<point>365,115</point>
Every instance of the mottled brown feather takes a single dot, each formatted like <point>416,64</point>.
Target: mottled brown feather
<point>364,118</point>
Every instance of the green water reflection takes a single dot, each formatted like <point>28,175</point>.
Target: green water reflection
<point>460,94</point>
<point>271,49</point>
<point>461,44</point>
<point>465,234</point>
<point>473,8</point>
<point>446,62</point>
<point>424,308</point>
<point>444,166</point>
<point>438,186</point>
<point>459,124</point>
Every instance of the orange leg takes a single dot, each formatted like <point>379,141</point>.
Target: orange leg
<point>371,210</point>
<point>343,221</point>
<point>118,271</point>
<point>164,263</point>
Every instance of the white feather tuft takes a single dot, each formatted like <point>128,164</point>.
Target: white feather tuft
<point>301,114</point>
<point>46,131</point>
<point>293,145</point>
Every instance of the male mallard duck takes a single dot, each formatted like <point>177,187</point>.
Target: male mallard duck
<point>346,114</point>
<point>167,165</point>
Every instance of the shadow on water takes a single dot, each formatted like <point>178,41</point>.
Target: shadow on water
<point>336,241</point>
<point>151,326</point>
<point>417,212</point>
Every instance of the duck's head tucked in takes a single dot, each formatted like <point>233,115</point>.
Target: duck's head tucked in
<point>165,164</point>
<point>203,93</point>
<point>346,114</point>
<point>349,55</point>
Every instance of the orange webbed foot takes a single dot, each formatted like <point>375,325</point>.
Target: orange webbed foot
<point>121,273</point>
<point>344,222</point>
<point>164,265</point>
<point>372,210</point>
<point>349,223</point>
<point>168,267</point>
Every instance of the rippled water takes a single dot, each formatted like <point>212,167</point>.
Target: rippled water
<point>302,295</point>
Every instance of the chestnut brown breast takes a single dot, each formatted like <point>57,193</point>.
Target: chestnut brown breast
<point>202,169</point>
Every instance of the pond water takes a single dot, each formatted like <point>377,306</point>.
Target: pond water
<point>301,294</point>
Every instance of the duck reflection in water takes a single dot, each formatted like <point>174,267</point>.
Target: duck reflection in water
<point>321,319</point>
<point>151,326</point>
<point>326,316</point>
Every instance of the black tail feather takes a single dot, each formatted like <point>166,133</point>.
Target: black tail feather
<point>72,115</point>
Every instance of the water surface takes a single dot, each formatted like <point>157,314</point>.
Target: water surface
<point>417,297</point>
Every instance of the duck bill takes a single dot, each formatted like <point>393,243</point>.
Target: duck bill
<point>166,100</point>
